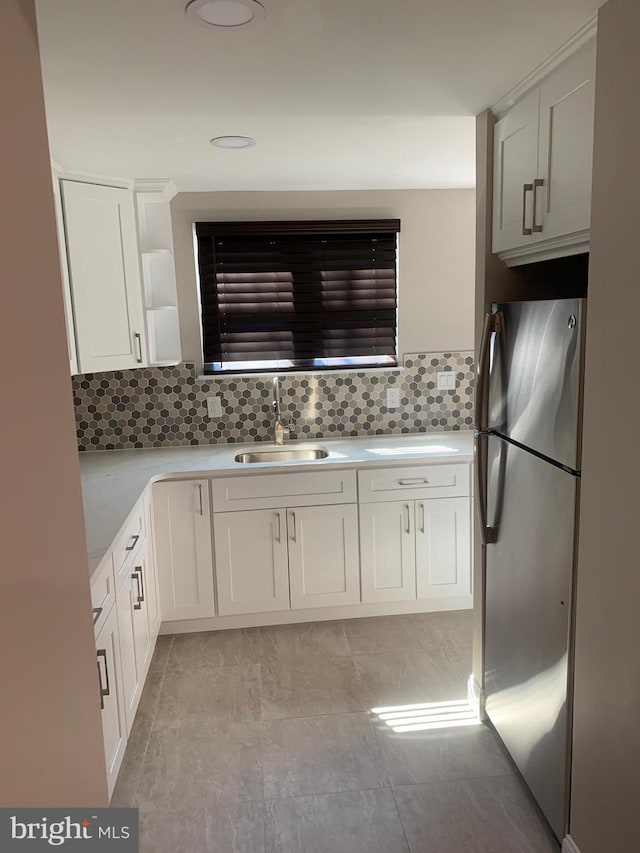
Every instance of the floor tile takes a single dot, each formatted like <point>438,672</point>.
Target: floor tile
<point>381,634</point>
<point>301,687</point>
<point>441,754</point>
<point>439,630</point>
<point>161,652</point>
<point>362,822</point>
<point>216,648</point>
<point>201,692</point>
<point>402,678</point>
<point>321,755</point>
<point>492,815</point>
<point>225,829</point>
<point>310,639</point>
<point>195,766</point>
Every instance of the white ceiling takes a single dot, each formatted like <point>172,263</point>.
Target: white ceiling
<point>362,94</point>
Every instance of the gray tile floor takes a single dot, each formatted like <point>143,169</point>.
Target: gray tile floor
<point>264,741</point>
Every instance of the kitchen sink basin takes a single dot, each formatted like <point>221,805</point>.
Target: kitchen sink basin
<point>286,454</point>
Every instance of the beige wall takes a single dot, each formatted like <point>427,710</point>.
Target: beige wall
<point>50,731</point>
<point>436,290</point>
<point>606,756</point>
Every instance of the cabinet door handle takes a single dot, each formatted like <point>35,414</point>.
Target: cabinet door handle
<point>138,339</point>
<point>97,612</point>
<point>279,534</point>
<point>421,517</point>
<point>104,691</point>
<point>415,481</point>
<point>136,578</point>
<point>201,508</point>
<point>293,527</point>
<point>134,542</point>
<point>536,186</point>
<point>527,232</point>
<point>408,509</point>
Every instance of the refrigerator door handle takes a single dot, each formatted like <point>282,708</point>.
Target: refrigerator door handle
<point>487,533</point>
<point>492,325</point>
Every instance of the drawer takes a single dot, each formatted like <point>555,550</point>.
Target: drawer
<point>414,482</point>
<point>277,491</point>
<point>129,540</point>
<point>103,594</point>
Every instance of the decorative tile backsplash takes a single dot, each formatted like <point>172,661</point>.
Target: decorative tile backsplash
<point>164,406</point>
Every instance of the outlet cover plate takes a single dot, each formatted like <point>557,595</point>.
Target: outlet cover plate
<point>214,407</point>
<point>393,398</point>
<point>447,381</point>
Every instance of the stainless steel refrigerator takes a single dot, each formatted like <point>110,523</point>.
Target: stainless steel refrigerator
<point>528,466</point>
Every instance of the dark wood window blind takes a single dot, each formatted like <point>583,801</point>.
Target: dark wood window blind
<point>278,296</point>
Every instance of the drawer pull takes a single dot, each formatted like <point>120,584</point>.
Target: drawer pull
<point>415,481</point>
<point>104,691</point>
<point>97,613</point>
<point>134,543</point>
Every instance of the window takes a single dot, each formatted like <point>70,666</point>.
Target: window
<point>278,296</point>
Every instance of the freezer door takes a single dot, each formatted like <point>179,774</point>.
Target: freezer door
<point>531,506</point>
<point>535,389</point>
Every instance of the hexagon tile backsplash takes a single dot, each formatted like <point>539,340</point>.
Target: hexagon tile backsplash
<point>165,406</point>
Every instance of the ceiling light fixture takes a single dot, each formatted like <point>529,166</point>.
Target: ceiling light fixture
<point>226,14</point>
<point>233,142</point>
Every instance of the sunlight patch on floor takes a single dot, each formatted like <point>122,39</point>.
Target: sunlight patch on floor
<point>429,715</point>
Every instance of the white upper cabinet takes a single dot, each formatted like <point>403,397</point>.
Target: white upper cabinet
<point>515,167</point>
<point>66,285</point>
<point>104,271</point>
<point>543,151</point>
<point>565,155</point>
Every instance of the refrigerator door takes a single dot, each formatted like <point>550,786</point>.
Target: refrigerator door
<point>531,508</point>
<point>535,386</point>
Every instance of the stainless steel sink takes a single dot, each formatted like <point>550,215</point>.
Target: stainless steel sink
<point>285,454</point>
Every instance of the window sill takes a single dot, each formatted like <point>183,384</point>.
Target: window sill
<point>267,375</point>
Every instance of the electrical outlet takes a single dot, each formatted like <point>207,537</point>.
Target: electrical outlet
<point>214,407</point>
<point>393,398</point>
<point>447,381</point>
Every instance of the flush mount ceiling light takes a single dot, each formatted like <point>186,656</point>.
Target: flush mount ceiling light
<point>233,142</point>
<point>225,13</point>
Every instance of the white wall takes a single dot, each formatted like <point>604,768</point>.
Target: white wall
<point>437,244</point>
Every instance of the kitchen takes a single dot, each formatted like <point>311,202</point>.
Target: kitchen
<point>496,282</point>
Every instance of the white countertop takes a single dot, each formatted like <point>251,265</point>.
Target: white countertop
<point>114,480</point>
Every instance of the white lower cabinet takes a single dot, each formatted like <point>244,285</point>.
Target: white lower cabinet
<point>443,548</point>
<point>388,551</point>
<point>415,549</point>
<point>114,724</point>
<point>324,564</point>
<point>184,554</point>
<point>252,570</point>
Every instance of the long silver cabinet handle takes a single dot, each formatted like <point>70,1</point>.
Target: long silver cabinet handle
<point>200,504</point>
<point>492,325</point>
<point>537,184</point>
<point>136,578</point>
<point>421,517</point>
<point>408,509</point>
<point>293,527</point>
<point>104,691</point>
<point>416,481</point>
<point>279,534</point>
<point>526,232</point>
<point>138,339</point>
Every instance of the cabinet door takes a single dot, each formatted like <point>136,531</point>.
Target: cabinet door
<point>132,678</point>
<point>515,167</point>
<point>324,563</point>
<point>114,726</point>
<point>252,572</point>
<point>387,551</point>
<point>182,525</point>
<point>566,146</point>
<point>443,547</point>
<point>104,269</point>
<point>66,285</point>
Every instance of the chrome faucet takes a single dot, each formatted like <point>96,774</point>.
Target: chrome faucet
<point>281,432</point>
